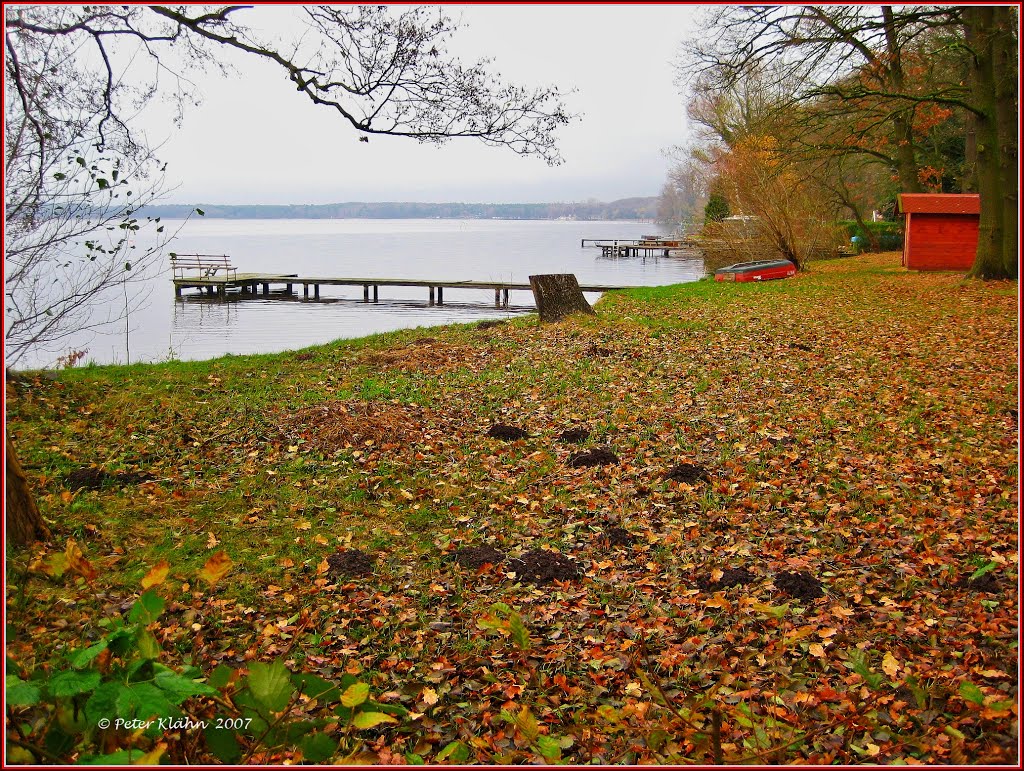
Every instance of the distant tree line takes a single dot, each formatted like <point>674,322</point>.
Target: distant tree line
<point>624,209</point>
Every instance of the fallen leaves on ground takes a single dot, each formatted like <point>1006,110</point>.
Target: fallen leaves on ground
<point>799,543</point>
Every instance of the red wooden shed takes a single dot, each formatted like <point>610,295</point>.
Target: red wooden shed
<point>940,230</point>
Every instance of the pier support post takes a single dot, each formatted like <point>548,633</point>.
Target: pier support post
<point>316,291</point>
<point>177,290</point>
<point>366,293</point>
<point>375,292</point>
<point>497,298</point>
<point>440,295</point>
<point>288,288</point>
<point>431,295</point>
<point>266,289</point>
<point>305,290</point>
<point>506,298</point>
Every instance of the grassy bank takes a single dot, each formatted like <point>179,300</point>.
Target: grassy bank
<point>774,564</point>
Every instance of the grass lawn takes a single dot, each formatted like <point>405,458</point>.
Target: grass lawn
<point>771,562</point>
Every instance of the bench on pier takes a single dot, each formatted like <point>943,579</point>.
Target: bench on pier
<point>203,266</point>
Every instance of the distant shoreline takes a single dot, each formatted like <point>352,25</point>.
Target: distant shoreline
<point>627,209</point>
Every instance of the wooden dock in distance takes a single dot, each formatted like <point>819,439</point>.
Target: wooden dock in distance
<point>250,282</point>
<point>636,247</point>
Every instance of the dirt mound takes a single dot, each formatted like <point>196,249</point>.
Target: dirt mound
<point>688,473</point>
<point>335,425</point>
<point>595,457</point>
<point>616,536</point>
<point>597,350</point>
<point>800,585</point>
<point>92,478</point>
<point>729,577</point>
<point>475,557</point>
<point>489,324</point>
<point>506,433</point>
<point>426,354</point>
<point>987,583</point>
<point>542,567</point>
<point>350,563</point>
<point>574,435</point>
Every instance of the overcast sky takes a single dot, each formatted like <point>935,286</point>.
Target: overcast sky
<point>255,140</point>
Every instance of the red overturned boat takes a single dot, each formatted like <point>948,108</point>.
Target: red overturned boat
<point>762,270</point>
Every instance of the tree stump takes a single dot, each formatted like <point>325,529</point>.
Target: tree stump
<point>558,295</point>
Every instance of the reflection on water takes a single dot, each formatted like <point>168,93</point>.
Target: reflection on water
<point>197,326</point>
<point>239,323</point>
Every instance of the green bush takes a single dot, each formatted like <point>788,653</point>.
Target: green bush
<point>888,235</point>
<point>717,209</point>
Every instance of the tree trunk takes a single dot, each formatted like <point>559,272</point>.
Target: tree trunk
<point>1005,74</point>
<point>558,295</point>
<point>24,522</point>
<point>982,37</point>
<point>903,130</point>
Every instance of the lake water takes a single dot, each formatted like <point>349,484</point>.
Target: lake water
<point>198,327</point>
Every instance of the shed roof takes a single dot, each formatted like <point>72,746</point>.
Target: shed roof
<point>940,203</point>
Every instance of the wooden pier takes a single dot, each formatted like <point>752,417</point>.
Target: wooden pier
<point>647,246</point>
<point>252,282</point>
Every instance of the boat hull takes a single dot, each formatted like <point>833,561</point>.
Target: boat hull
<point>764,270</point>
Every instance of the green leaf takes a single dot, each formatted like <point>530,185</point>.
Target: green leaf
<point>414,760</point>
<point>200,212</point>
<point>20,693</point>
<point>120,640</point>
<point>56,741</point>
<point>986,568</point>
<point>972,693</point>
<point>81,659</point>
<point>525,722</point>
<point>146,645</point>
<point>180,688</point>
<point>316,687</point>
<point>519,634</point>
<point>147,608</point>
<point>318,747</point>
<point>119,758</point>
<point>72,683</point>
<point>549,748</point>
<point>223,743</point>
<point>250,708</point>
<point>456,751</point>
<point>58,176</point>
<point>103,702</point>
<point>103,184</point>
<point>392,709</point>
<point>364,720</point>
<point>221,676</point>
<point>271,685</point>
<point>355,695</point>
<point>144,701</point>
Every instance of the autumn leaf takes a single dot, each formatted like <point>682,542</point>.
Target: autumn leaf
<point>156,575</point>
<point>428,696</point>
<point>890,665</point>
<point>216,568</point>
<point>77,563</point>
